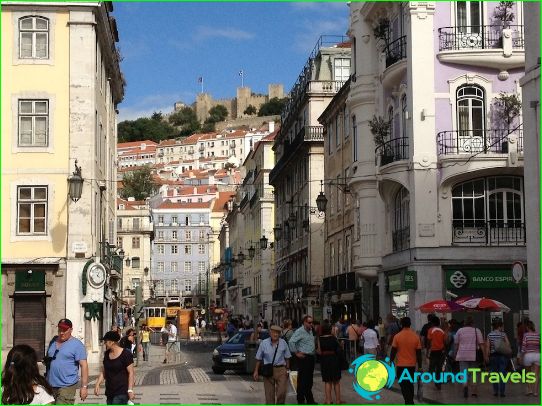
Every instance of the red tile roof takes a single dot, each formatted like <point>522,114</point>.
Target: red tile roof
<point>133,144</point>
<point>220,203</point>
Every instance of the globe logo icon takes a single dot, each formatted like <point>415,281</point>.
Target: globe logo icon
<point>372,376</point>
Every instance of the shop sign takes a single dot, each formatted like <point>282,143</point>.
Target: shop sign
<point>29,281</point>
<point>481,279</point>
<point>405,280</point>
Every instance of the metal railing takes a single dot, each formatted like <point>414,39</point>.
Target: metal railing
<point>490,233</point>
<point>393,150</point>
<point>401,239</point>
<point>478,37</point>
<point>494,141</point>
<point>396,51</point>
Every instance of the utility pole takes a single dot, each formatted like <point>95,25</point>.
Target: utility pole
<point>139,314</point>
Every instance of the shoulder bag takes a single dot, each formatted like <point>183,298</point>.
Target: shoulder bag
<point>479,352</point>
<point>502,346</point>
<point>267,369</point>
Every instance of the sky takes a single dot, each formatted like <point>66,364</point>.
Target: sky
<point>167,46</point>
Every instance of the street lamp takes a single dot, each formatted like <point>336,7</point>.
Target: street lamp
<point>263,242</point>
<point>240,256</point>
<point>75,184</point>
<point>251,252</point>
<point>278,233</point>
<point>321,200</point>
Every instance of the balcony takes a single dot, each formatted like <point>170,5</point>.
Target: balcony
<point>495,141</point>
<point>483,45</point>
<point>491,233</point>
<point>345,282</point>
<point>391,151</point>
<point>401,239</point>
<point>396,51</point>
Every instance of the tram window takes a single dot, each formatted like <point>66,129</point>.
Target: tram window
<point>151,312</point>
<point>162,312</point>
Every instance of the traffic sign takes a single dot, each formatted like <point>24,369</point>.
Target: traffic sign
<point>518,271</point>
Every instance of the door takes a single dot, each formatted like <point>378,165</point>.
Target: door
<point>469,24</point>
<point>470,120</point>
<point>29,322</point>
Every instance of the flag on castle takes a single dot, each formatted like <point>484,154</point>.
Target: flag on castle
<point>241,73</point>
<point>200,79</point>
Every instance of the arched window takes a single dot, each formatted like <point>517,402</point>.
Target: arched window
<point>401,220</point>
<point>470,118</point>
<point>489,211</point>
<point>33,37</point>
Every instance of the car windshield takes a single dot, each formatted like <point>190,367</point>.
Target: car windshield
<point>238,338</point>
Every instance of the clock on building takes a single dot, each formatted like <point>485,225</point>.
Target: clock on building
<point>96,275</point>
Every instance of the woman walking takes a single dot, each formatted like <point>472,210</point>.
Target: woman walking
<point>328,349</point>
<point>498,361</point>
<point>468,340</point>
<point>275,355</point>
<point>369,337</point>
<point>530,349</point>
<point>22,383</point>
<point>117,370</point>
<point>145,337</point>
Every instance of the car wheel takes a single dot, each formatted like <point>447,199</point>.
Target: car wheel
<point>218,371</point>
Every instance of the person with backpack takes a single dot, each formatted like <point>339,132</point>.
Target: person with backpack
<point>353,333</point>
<point>497,354</point>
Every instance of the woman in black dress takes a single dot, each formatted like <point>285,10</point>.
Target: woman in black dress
<point>328,349</point>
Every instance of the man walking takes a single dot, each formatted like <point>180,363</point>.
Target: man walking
<point>436,338</point>
<point>67,355</point>
<point>274,351</point>
<point>302,346</point>
<point>406,345</point>
<point>172,346</point>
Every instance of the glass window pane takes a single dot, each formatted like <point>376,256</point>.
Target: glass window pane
<point>41,45</point>
<point>39,210</point>
<point>26,45</point>
<point>25,193</point>
<point>468,208</point>
<point>40,131</point>
<point>24,225</point>
<point>26,23</point>
<point>457,207</point>
<point>25,210</point>
<point>479,188</point>
<point>25,107</point>
<point>40,193</point>
<point>40,107</point>
<point>41,23</point>
<point>467,189</point>
<point>461,8</point>
<point>479,209</point>
<point>39,225</point>
<point>475,14</point>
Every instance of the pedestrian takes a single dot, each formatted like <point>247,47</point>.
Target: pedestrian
<point>498,361</point>
<point>436,338</point>
<point>67,355</point>
<point>203,325</point>
<point>424,331</point>
<point>303,347</point>
<point>369,337</point>
<point>164,335</point>
<point>275,355</point>
<point>21,379</point>
<point>407,347</point>
<point>453,326</point>
<point>354,335</point>
<point>530,350</point>
<point>128,341</point>
<point>392,327</point>
<point>256,335</point>
<point>117,370</point>
<point>329,351</point>
<point>468,341</point>
<point>287,330</point>
<point>145,338</point>
<point>230,329</point>
<point>172,346</point>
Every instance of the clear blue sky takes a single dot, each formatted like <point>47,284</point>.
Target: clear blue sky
<point>167,46</point>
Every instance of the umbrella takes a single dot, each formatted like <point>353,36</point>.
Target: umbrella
<point>485,304</point>
<point>440,306</point>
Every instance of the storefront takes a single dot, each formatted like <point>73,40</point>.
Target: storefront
<point>398,286</point>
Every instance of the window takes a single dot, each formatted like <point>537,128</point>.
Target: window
<point>160,290</point>
<point>135,262</point>
<point>174,235</point>
<point>339,256</point>
<point>135,223</point>
<point>119,223</point>
<point>188,266</point>
<point>404,116</point>
<point>187,219</point>
<point>160,248</point>
<point>337,132</point>
<point>468,16</point>
<point>201,266</point>
<point>174,286</point>
<point>174,219</point>
<point>174,267</point>
<point>33,123</point>
<point>174,249</point>
<point>354,138</point>
<point>160,267</point>
<point>201,218</point>
<point>391,133</point>
<point>401,220</point>
<point>346,127</point>
<point>31,210</point>
<point>470,118</point>
<point>136,282</point>
<point>201,234</point>
<point>33,38</point>
<point>135,242</point>
<point>201,249</point>
<point>161,219</point>
<point>119,242</point>
<point>342,69</point>
<point>188,235</point>
<point>188,249</point>
<point>160,235</point>
<point>187,285</point>
<point>331,259</point>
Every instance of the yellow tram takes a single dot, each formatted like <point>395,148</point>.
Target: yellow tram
<point>155,317</point>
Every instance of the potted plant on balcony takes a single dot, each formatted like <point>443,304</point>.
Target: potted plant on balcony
<point>503,14</point>
<point>380,128</point>
<point>382,33</point>
<point>508,108</point>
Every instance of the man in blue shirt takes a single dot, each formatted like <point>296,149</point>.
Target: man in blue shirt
<point>67,355</point>
<point>303,347</point>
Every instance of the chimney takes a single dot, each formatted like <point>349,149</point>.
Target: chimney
<point>271,126</point>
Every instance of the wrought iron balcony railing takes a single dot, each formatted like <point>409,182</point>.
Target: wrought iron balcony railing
<point>490,233</point>
<point>393,150</point>
<point>495,141</point>
<point>396,51</point>
<point>401,239</point>
<point>478,37</point>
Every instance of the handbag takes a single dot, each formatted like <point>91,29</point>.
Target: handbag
<point>479,353</point>
<point>267,369</point>
<point>503,347</point>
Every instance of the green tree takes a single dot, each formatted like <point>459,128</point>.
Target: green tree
<point>217,113</point>
<point>208,126</point>
<point>145,128</point>
<point>272,107</point>
<point>250,110</point>
<point>187,120</point>
<point>139,184</point>
<point>157,116</point>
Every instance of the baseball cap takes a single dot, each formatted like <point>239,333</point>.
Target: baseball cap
<point>111,336</point>
<point>65,324</point>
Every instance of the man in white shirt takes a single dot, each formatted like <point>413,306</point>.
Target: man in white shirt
<point>172,345</point>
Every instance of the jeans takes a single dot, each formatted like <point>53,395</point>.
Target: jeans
<point>498,363</point>
<point>407,387</point>
<point>436,358</point>
<point>304,379</point>
<point>117,400</point>
<point>146,350</point>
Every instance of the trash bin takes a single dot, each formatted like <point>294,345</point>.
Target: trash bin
<point>251,347</point>
<point>155,337</point>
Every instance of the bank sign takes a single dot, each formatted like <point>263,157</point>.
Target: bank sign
<point>481,279</point>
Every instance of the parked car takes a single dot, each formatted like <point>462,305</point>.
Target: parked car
<point>232,354</point>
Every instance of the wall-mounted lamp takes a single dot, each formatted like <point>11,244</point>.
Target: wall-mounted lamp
<point>75,184</point>
<point>263,242</point>
<point>128,261</point>
<point>277,232</point>
<point>251,252</point>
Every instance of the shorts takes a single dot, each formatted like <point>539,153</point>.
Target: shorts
<point>531,358</point>
<point>173,346</point>
<point>467,364</point>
